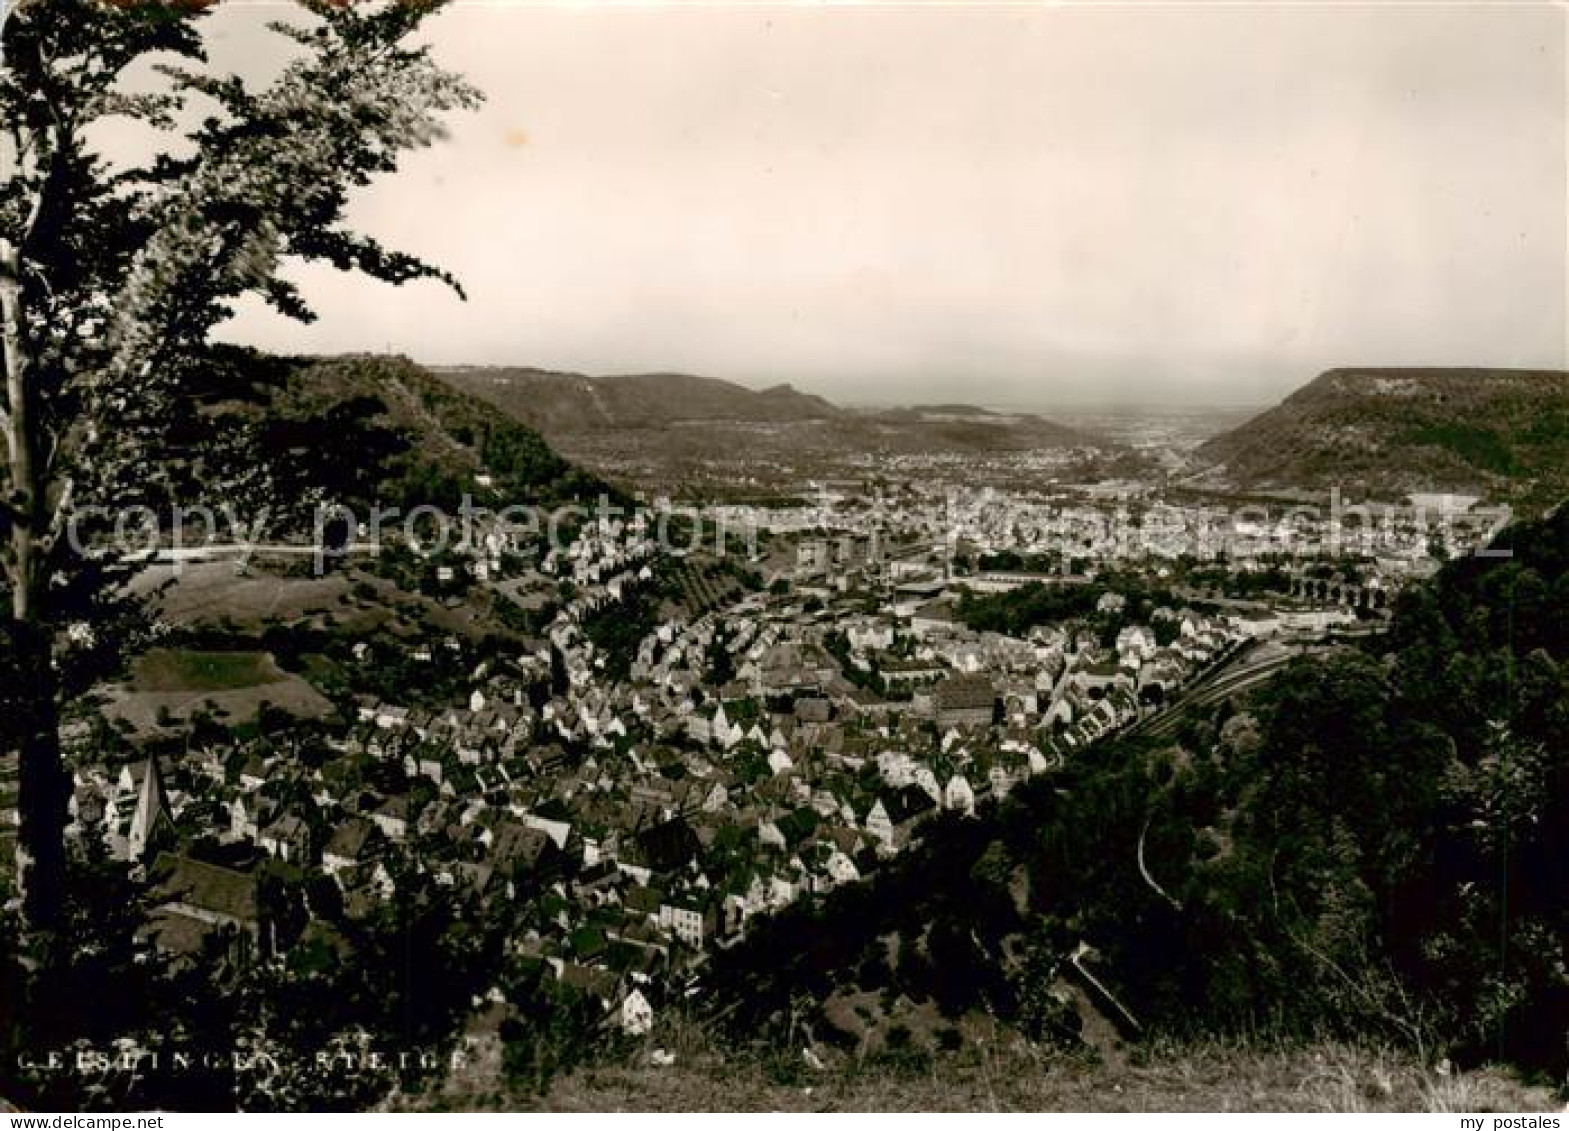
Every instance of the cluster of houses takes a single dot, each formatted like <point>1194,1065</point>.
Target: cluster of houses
<point>1125,521</point>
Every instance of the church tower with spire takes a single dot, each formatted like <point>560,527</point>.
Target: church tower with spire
<point>152,826</point>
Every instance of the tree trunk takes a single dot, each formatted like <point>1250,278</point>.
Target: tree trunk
<point>44,786</point>
<point>34,732</point>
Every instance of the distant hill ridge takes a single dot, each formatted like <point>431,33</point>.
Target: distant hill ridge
<point>1386,432</point>
<point>955,410</point>
<point>553,401</point>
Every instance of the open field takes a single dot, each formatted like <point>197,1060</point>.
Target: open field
<point>213,594</point>
<point>207,592</point>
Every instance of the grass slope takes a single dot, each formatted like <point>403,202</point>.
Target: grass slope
<point>167,684</point>
<point>1006,1074</point>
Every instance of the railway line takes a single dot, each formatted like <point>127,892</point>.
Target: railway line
<point>1248,668</point>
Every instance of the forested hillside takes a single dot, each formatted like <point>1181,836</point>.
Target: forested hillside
<point>356,429</point>
<point>1375,845</point>
<point>1386,432</point>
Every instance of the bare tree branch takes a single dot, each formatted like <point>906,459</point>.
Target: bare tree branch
<point>1145,872</point>
<point>59,516</point>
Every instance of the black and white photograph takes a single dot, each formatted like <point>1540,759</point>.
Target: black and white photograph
<point>800,557</point>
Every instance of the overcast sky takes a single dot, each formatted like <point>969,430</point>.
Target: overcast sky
<point>1008,205</point>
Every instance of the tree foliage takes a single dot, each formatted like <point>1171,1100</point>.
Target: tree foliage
<point>113,271</point>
